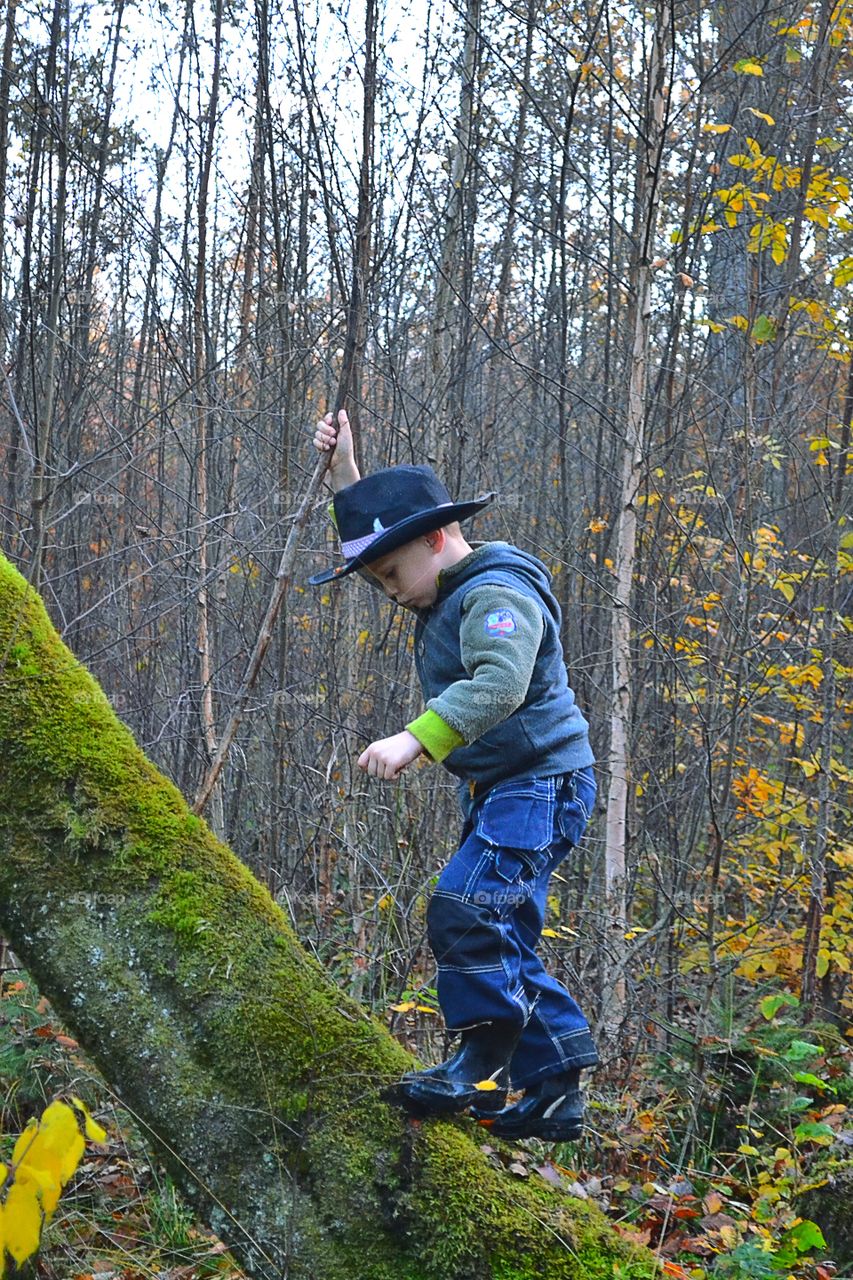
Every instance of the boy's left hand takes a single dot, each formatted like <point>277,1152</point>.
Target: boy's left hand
<point>388,757</point>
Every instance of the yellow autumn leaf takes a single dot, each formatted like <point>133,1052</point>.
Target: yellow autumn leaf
<point>3,1173</point>
<point>746,1150</point>
<point>25,1141</point>
<point>41,1179</point>
<point>485,1086</point>
<point>716,128</point>
<point>748,68</point>
<point>786,589</point>
<point>762,115</point>
<point>61,1137</point>
<point>549,933</point>
<point>597,525</point>
<point>425,1008</point>
<point>809,767</point>
<point>405,1007</point>
<point>45,1183</point>
<point>94,1131</point>
<point>22,1222</point>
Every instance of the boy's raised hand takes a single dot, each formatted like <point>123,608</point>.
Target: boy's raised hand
<point>388,757</point>
<point>337,437</point>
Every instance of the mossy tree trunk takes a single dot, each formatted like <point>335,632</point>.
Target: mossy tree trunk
<point>253,1076</point>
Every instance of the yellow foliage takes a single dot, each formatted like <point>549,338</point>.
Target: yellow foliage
<point>754,791</point>
<point>45,1157</point>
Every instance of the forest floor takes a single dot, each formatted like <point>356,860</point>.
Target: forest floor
<point>717,1185</point>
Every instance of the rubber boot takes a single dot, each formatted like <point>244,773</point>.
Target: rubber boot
<point>483,1056</point>
<point>551,1109</point>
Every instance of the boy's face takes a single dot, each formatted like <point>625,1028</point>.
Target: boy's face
<point>408,575</point>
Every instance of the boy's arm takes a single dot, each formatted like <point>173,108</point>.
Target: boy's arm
<point>500,636</point>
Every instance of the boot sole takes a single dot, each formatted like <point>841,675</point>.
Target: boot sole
<point>542,1129</point>
<point>419,1101</point>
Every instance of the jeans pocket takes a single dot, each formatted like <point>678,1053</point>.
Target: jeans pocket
<point>519,815</point>
<point>575,806</point>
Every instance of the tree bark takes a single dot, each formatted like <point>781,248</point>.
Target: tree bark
<point>253,1075</point>
<point>633,451</point>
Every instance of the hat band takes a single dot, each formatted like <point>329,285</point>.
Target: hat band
<point>356,546</point>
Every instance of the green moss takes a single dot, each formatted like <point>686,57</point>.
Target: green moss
<point>178,905</point>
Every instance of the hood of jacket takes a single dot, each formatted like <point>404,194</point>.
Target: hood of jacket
<point>498,555</point>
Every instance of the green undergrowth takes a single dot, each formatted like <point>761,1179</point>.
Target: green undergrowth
<point>722,1156</point>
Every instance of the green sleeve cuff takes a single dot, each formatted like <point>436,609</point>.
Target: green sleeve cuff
<point>436,736</point>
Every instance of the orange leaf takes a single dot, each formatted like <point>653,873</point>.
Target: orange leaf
<point>673,1269</point>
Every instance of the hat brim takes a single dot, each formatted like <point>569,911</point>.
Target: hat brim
<point>402,532</point>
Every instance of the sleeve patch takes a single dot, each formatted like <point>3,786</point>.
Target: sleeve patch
<point>500,623</point>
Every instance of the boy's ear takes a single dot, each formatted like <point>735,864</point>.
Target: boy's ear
<point>436,540</point>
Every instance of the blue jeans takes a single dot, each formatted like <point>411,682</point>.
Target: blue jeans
<point>486,914</point>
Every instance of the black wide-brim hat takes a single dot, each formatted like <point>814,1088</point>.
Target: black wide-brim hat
<point>389,508</point>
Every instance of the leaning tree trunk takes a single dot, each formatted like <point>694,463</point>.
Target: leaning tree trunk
<point>253,1075</point>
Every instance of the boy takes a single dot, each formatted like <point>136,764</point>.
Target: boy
<point>501,717</point>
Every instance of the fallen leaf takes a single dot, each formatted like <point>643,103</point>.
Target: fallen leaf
<point>518,1169</point>
<point>550,1174</point>
<point>637,1235</point>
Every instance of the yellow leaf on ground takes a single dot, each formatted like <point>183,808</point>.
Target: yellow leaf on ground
<point>485,1086</point>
